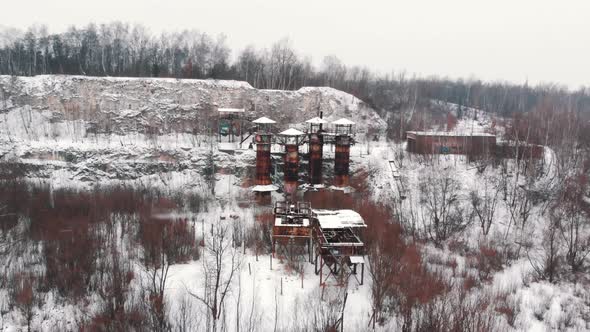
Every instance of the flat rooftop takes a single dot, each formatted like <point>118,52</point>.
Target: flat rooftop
<point>334,219</point>
<point>450,133</point>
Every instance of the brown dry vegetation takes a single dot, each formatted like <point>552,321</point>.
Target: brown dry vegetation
<point>78,233</point>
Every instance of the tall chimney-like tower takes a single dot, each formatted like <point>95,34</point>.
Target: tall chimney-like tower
<point>263,141</point>
<point>291,139</point>
<point>316,147</point>
<point>342,140</point>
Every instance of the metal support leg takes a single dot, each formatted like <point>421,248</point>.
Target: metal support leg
<point>362,272</point>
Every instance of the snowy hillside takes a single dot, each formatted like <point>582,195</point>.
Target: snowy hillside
<point>123,105</point>
<point>88,129</point>
<point>121,211</point>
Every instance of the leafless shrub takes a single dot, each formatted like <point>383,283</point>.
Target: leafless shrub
<point>441,211</point>
<point>25,295</point>
<point>221,263</point>
<point>547,265</point>
<point>484,201</point>
<point>508,307</point>
<point>187,318</point>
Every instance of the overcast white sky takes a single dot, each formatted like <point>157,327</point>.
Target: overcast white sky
<point>514,40</point>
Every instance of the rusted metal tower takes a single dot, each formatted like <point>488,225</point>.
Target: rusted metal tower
<point>336,238</point>
<point>343,139</point>
<point>316,148</point>
<point>291,232</point>
<point>291,139</point>
<point>263,141</point>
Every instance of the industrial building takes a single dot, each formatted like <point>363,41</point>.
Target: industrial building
<point>330,239</point>
<point>340,134</point>
<point>471,144</point>
<point>432,142</point>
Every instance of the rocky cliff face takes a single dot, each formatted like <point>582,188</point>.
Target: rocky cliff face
<point>89,128</point>
<point>124,105</point>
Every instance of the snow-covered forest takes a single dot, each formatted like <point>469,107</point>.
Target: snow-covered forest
<point>122,49</point>
<point>121,210</point>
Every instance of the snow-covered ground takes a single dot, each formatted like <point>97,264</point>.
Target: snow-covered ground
<point>538,305</point>
<point>50,145</point>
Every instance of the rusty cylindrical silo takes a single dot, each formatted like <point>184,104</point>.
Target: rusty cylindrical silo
<point>342,160</point>
<point>263,164</point>
<point>316,147</point>
<point>291,167</point>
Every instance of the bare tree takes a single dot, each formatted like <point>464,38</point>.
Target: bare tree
<point>385,246</point>
<point>210,170</point>
<point>546,266</point>
<point>322,311</point>
<point>24,296</point>
<point>442,214</point>
<point>252,318</point>
<point>221,263</point>
<point>282,63</point>
<point>114,275</point>
<point>574,226</point>
<point>484,201</point>
<point>186,318</point>
<point>165,242</point>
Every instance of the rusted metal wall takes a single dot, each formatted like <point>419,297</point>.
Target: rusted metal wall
<point>263,165</point>
<point>445,144</point>
<point>291,231</point>
<point>342,161</point>
<point>316,147</point>
<point>291,167</point>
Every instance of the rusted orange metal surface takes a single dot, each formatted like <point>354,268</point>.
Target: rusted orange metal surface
<point>288,232</point>
<point>342,161</point>
<point>291,167</point>
<point>263,164</point>
<point>316,147</point>
<point>474,145</point>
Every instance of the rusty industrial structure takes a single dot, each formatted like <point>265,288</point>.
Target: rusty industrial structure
<point>474,145</point>
<point>330,239</point>
<point>342,141</point>
<point>291,232</point>
<point>337,245</point>
<point>316,137</point>
<point>263,140</point>
<point>316,148</point>
<point>291,139</point>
